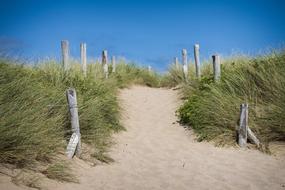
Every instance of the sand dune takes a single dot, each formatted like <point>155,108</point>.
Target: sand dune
<point>156,153</point>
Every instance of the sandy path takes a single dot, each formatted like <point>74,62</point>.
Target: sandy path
<point>156,153</point>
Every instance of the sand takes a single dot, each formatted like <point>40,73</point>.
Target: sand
<point>155,152</point>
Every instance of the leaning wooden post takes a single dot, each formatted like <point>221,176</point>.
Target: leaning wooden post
<point>216,67</point>
<point>243,125</point>
<point>105,63</point>
<point>113,64</point>
<point>65,54</point>
<point>185,65</point>
<point>73,110</point>
<point>197,60</point>
<point>83,58</point>
<point>253,138</point>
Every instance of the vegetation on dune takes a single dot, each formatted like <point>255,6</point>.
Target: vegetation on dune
<point>212,108</point>
<point>34,117</point>
<point>35,125</point>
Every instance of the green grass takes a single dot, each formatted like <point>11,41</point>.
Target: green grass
<point>34,118</point>
<point>212,109</point>
<point>60,171</point>
<point>175,76</point>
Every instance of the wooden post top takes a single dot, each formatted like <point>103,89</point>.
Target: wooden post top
<point>215,56</point>
<point>64,41</point>
<point>105,53</point>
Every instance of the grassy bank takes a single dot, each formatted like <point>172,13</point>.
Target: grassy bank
<point>212,109</point>
<point>35,124</point>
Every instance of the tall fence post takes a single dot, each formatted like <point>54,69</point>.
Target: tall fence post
<point>197,60</point>
<point>149,69</point>
<point>65,54</point>
<point>216,67</point>
<point>105,62</point>
<point>73,110</point>
<point>243,125</point>
<point>113,64</point>
<point>185,64</point>
<point>176,62</point>
<point>83,58</point>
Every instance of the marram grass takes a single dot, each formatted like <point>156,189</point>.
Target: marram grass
<point>34,118</point>
<point>212,108</point>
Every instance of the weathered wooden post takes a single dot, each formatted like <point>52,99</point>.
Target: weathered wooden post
<point>176,62</point>
<point>65,54</point>
<point>216,67</point>
<point>113,64</point>
<point>185,64</point>
<point>83,58</point>
<point>197,60</point>
<point>149,69</point>
<point>105,62</point>
<point>76,136</point>
<point>253,138</point>
<point>243,125</point>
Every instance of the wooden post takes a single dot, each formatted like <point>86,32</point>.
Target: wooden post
<point>83,58</point>
<point>216,67</point>
<point>105,63</point>
<point>73,110</point>
<point>243,125</point>
<point>71,147</point>
<point>185,64</point>
<point>197,60</point>
<point>149,69</point>
<point>65,54</point>
<point>176,62</point>
<point>252,137</point>
<point>113,64</point>
<point>99,61</point>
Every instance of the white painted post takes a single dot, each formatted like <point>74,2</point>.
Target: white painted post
<point>243,125</point>
<point>105,62</point>
<point>185,64</point>
<point>65,54</point>
<point>197,60</point>
<point>216,67</point>
<point>73,110</point>
<point>176,62</point>
<point>113,64</point>
<point>83,58</point>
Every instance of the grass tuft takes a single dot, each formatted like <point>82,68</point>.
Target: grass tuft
<point>212,108</point>
<point>34,117</point>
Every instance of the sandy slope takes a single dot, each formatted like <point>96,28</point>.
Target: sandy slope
<point>156,153</point>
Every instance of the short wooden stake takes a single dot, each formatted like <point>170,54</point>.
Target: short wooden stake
<point>176,62</point>
<point>83,58</point>
<point>71,147</point>
<point>252,137</point>
<point>243,125</point>
<point>73,110</point>
<point>197,60</point>
<point>216,67</point>
<point>113,64</point>
<point>185,64</point>
<point>105,63</point>
<point>65,54</point>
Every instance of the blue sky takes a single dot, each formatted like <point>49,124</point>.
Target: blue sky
<point>150,32</point>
